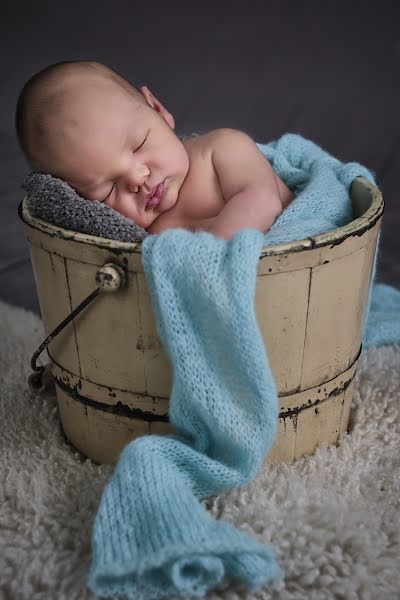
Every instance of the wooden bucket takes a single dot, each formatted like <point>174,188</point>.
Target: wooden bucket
<point>113,378</point>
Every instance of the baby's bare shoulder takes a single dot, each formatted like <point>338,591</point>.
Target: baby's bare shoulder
<point>214,139</point>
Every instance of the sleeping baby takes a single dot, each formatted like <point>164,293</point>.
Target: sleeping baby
<point>84,123</point>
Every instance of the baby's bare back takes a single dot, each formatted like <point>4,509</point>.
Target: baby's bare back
<point>200,198</point>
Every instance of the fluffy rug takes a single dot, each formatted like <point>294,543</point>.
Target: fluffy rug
<point>332,518</point>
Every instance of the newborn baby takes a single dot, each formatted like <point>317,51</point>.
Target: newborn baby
<point>84,123</point>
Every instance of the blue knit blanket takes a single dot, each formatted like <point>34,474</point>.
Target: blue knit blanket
<point>152,538</point>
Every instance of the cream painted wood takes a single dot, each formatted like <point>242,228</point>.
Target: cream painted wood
<point>322,412</point>
<point>54,301</point>
<point>311,417</point>
<point>74,421</point>
<point>157,367</point>
<point>128,400</point>
<point>346,408</point>
<point>310,299</point>
<point>321,424</point>
<point>79,246</point>
<point>161,427</point>
<point>331,327</point>
<point>107,330</point>
<point>97,434</point>
<point>281,304</point>
<point>371,239</point>
<point>283,449</point>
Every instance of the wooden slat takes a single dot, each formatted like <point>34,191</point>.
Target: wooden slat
<point>284,445</point>
<point>107,330</point>
<point>319,424</point>
<point>97,434</point>
<point>281,303</point>
<point>111,396</point>
<point>371,238</point>
<point>54,301</point>
<point>331,325</point>
<point>157,367</point>
<point>312,416</point>
<point>346,409</point>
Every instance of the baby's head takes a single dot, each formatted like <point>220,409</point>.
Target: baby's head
<point>84,123</point>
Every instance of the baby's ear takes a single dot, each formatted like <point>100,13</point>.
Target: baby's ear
<point>148,95</point>
<point>157,106</point>
<point>171,123</point>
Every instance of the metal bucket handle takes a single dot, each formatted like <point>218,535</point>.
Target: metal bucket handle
<point>110,278</point>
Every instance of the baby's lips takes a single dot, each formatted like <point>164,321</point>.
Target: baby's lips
<point>156,199</point>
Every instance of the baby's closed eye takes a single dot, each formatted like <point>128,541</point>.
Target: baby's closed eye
<point>108,195</point>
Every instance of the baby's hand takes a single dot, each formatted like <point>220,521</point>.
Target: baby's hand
<point>253,207</point>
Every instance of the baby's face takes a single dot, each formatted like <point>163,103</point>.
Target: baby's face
<point>115,150</point>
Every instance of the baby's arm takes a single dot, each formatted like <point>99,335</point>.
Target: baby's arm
<point>248,184</point>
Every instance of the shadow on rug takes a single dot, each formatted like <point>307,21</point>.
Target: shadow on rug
<point>332,518</point>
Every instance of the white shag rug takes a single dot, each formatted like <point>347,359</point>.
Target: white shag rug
<point>332,518</point>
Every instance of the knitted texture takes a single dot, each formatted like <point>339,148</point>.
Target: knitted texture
<point>321,186</point>
<point>151,536</point>
<point>54,201</point>
<point>382,324</point>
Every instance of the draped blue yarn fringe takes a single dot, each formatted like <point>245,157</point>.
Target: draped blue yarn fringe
<point>152,538</point>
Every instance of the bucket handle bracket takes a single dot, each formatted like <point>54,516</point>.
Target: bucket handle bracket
<point>109,278</point>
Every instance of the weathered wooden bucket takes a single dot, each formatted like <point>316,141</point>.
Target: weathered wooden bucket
<point>113,378</point>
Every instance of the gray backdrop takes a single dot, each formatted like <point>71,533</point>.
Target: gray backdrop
<point>327,71</point>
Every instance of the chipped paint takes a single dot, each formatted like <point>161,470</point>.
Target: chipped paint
<point>311,402</point>
<point>116,409</point>
<point>148,342</point>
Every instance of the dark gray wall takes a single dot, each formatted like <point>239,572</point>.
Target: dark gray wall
<point>327,71</point>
